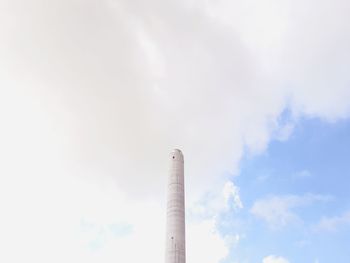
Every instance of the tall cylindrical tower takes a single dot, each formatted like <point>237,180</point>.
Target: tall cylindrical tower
<point>175,225</point>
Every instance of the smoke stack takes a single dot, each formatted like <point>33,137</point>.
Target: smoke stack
<point>175,225</point>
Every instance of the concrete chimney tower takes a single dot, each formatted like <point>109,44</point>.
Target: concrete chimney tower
<point>175,225</point>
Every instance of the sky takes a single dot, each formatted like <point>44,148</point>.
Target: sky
<point>95,94</point>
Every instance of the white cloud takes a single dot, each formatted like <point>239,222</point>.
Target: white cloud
<point>274,259</point>
<point>95,93</point>
<point>204,218</point>
<point>302,43</point>
<point>284,131</point>
<point>205,235</point>
<point>333,224</point>
<point>231,195</point>
<point>93,221</point>
<point>277,211</point>
<point>214,203</point>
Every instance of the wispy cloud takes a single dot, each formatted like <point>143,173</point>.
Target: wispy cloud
<point>274,259</point>
<point>277,211</point>
<point>303,174</point>
<point>333,224</point>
